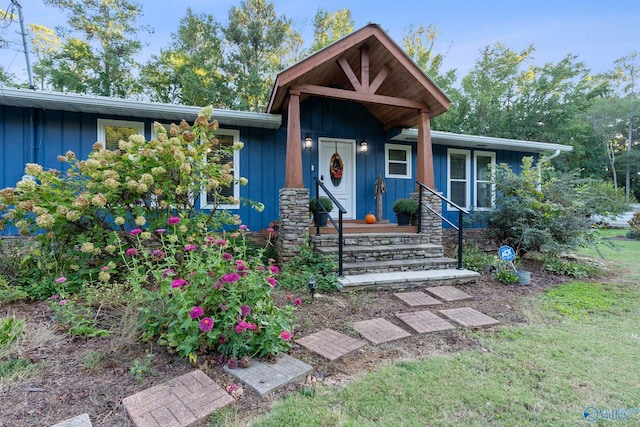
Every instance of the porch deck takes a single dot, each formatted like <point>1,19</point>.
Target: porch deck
<point>351,226</point>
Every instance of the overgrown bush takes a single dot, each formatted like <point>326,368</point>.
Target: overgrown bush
<point>562,267</point>
<point>536,211</point>
<point>73,213</point>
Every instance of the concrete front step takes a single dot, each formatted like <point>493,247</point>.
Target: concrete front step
<point>406,279</point>
<point>427,263</point>
<point>371,239</point>
<point>364,253</point>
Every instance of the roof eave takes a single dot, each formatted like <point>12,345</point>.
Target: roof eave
<point>124,107</point>
<point>482,142</point>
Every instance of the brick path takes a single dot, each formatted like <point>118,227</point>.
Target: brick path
<point>330,344</point>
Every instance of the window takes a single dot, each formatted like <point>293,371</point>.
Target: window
<point>397,161</point>
<point>485,189</point>
<point>227,138</point>
<point>110,132</point>
<point>458,173</point>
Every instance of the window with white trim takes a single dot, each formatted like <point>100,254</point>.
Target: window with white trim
<point>458,171</point>
<point>397,161</point>
<point>110,132</point>
<point>484,187</point>
<point>226,138</point>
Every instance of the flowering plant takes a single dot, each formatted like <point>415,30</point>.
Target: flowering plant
<point>133,187</point>
<point>209,295</point>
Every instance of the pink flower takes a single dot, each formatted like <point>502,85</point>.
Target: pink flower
<point>62,302</point>
<point>288,296</point>
<point>245,310</point>
<point>285,335</point>
<point>243,227</point>
<point>273,268</point>
<point>206,324</point>
<point>196,312</point>
<point>173,220</point>
<point>241,327</point>
<point>230,278</point>
<point>54,296</point>
<point>190,247</point>
<point>231,388</point>
<point>227,256</point>
<point>105,268</point>
<point>161,230</point>
<point>272,282</point>
<point>131,252</point>
<point>252,327</point>
<point>260,268</point>
<point>157,255</point>
<point>210,240</point>
<point>297,301</point>
<point>270,230</point>
<point>168,272</point>
<point>61,279</point>
<point>232,363</point>
<point>178,283</point>
<point>135,231</point>
<point>221,242</point>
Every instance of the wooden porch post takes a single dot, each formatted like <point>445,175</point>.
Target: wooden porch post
<point>293,164</point>
<point>425,152</point>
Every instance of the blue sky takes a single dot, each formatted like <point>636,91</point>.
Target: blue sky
<point>597,32</point>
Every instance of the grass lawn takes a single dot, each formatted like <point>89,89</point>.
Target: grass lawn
<point>578,350</point>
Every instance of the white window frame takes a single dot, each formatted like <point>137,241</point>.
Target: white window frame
<point>491,155</point>
<point>236,174</point>
<point>467,155</point>
<point>408,160</point>
<point>103,123</point>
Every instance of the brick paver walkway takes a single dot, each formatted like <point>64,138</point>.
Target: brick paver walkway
<point>448,293</point>
<point>467,316</point>
<point>416,299</point>
<point>330,344</point>
<point>424,321</point>
<point>179,402</point>
<point>380,330</point>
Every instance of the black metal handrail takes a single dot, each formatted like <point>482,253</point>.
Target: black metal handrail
<point>461,211</point>
<point>338,227</point>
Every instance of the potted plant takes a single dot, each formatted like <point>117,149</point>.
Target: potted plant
<point>319,215</point>
<point>404,209</point>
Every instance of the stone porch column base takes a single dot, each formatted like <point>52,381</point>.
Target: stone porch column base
<point>431,223</point>
<point>294,222</point>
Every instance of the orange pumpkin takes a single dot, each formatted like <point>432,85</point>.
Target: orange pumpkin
<point>370,219</point>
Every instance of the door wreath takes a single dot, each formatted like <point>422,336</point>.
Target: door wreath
<point>336,167</point>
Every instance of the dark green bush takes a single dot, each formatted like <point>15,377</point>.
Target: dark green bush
<point>406,206</point>
<point>322,200</point>
<point>310,264</point>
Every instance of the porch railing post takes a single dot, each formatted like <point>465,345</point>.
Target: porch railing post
<point>340,243</point>
<point>460,226</point>
<point>420,209</point>
<point>317,205</point>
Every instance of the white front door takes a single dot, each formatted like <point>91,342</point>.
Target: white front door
<point>337,171</point>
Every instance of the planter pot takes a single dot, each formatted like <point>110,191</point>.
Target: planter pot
<point>524,277</point>
<point>403,218</point>
<point>320,218</point>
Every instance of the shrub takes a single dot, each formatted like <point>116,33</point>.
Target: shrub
<point>406,206</point>
<point>634,222</point>
<point>476,259</point>
<point>322,200</point>
<point>633,234</point>
<point>73,214</point>
<point>505,272</point>
<point>310,264</point>
<point>562,267</point>
<point>533,214</point>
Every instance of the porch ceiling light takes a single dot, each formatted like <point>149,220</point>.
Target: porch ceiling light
<point>308,142</point>
<point>364,147</point>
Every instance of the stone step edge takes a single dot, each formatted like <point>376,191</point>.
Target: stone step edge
<point>405,279</point>
<point>393,262</point>
<point>381,248</point>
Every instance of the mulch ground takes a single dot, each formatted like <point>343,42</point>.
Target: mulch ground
<point>66,386</point>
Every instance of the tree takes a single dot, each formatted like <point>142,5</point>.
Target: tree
<point>330,26</point>
<point>627,72</point>
<point>102,61</point>
<point>257,42</point>
<point>190,70</point>
<point>420,43</point>
<point>44,44</point>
